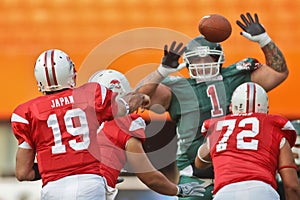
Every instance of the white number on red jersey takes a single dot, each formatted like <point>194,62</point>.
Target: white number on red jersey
<point>241,144</point>
<point>81,130</point>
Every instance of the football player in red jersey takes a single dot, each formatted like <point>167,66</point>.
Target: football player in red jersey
<point>120,141</point>
<point>248,147</point>
<point>59,129</point>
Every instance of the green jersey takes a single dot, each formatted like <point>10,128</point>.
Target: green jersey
<point>193,102</point>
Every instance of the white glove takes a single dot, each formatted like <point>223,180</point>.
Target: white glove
<point>262,39</point>
<point>166,71</point>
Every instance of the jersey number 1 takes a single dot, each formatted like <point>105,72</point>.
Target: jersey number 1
<point>214,99</point>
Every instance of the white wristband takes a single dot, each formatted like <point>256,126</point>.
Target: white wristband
<point>264,40</point>
<point>165,71</point>
<point>200,158</point>
<point>126,105</point>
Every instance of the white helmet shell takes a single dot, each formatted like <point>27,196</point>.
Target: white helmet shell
<point>249,98</point>
<point>113,80</point>
<point>54,70</point>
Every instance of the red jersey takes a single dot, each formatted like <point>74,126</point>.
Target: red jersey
<point>112,139</point>
<point>246,146</point>
<point>62,127</point>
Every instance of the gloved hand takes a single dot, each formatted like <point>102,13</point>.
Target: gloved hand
<point>190,189</point>
<point>253,30</point>
<point>169,62</point>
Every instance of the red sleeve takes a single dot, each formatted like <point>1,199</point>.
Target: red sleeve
<point>286,129</point>
<point>205,127</point>
<point>133,125</point>
<point>103,103</point>
<point>20,125</point>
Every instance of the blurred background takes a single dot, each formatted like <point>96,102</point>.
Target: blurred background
<point>78,27</point>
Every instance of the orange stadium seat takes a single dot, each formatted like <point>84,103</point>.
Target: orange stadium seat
<point>78,27</point>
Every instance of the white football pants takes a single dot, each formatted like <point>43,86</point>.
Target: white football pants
<point>79,187</point>
<point>247,190</point>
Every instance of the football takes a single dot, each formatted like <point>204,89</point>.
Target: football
<point>215,28</point>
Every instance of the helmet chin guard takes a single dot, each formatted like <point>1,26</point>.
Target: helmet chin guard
<point>54,71</point>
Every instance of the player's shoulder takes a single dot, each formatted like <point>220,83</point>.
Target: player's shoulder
<point>206,125</point>
<point>132,125</point>
<point>135,116</point>
<point>24,107</point>
<point>131,122</point>
<point>91,86</point>
<point>285,126</point>
<point>278,119</point>
<point>169,80</point>
<point>90,91</point>
<point>247,64</point>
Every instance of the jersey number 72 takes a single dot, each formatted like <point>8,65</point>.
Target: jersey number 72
<point>241,143</point>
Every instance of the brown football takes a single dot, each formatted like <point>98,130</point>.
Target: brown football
<point>215,28</point>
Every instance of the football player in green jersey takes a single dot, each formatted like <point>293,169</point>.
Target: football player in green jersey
<point>207,92</point>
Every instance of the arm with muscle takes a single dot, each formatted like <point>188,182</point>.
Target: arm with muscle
<point>24,165</point>
<point>288,173</point>
<point>275,68</point>
<point>203,159</point>
<point>145,171</point>
<point>160,94</point>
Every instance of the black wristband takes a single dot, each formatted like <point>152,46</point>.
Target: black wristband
<point>37,175</point>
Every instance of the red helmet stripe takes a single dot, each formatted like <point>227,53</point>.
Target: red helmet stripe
<point>254,97</point>
<point>251,94</point>
<point>53,68</point>
<point>46,69</point>
<point>248,98</point>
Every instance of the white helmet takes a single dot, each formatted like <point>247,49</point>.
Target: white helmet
<point>249,98</point>
<point>113,80</point>
<point>54,70</point>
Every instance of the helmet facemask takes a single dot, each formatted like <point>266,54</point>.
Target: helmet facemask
<point>204,59</point>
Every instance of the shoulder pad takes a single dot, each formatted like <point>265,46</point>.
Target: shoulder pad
<point>249,64</point>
